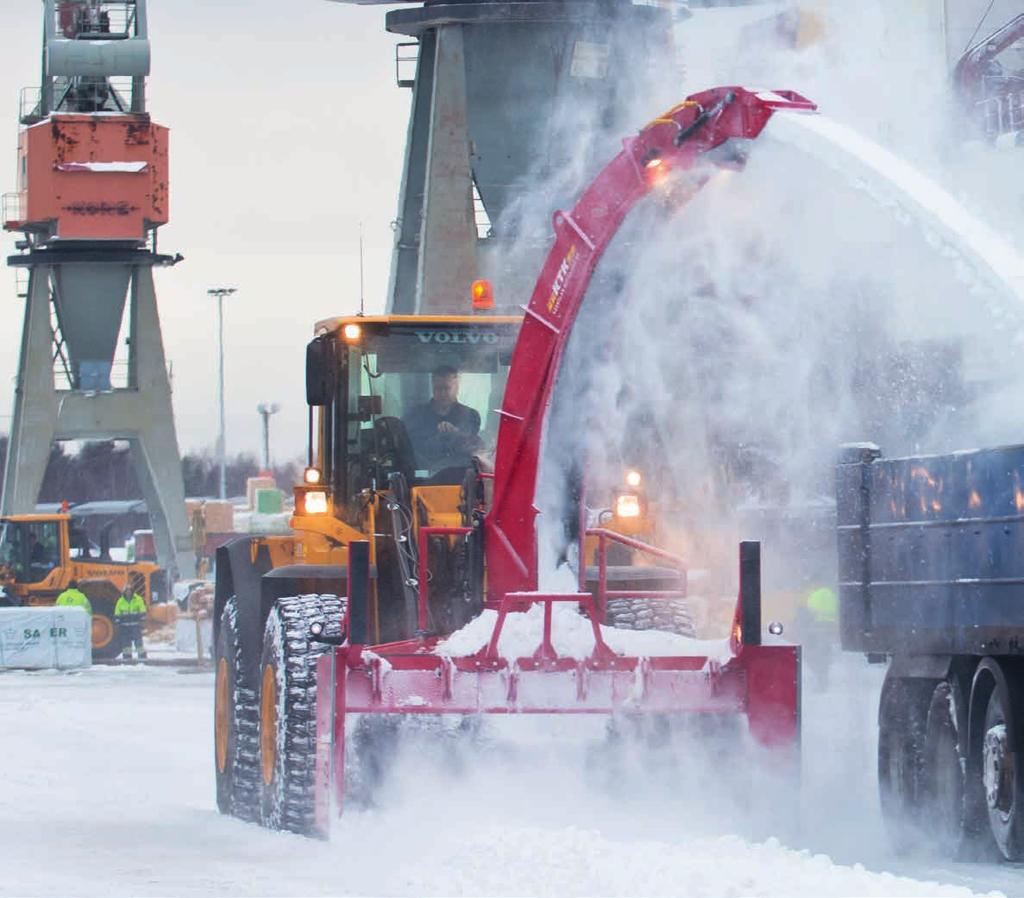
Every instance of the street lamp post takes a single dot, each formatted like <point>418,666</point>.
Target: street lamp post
<point>266,409</point>
<point>219,293</point>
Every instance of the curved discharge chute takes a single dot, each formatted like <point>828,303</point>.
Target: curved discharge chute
<point>675,154</point>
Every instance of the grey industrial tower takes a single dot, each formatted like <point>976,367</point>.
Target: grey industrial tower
<point>92,191</point>
<point>506,96</point>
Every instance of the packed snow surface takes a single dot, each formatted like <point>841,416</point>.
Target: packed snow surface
<point>108,789</point>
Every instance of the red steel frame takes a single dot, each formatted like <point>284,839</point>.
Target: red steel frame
<point>604,536</point>
<point>673,155</point>
<point>423,573</point>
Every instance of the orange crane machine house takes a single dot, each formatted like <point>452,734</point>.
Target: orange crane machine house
<point>94,178</point>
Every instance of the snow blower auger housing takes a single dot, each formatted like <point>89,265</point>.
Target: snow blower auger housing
<point>402,539</point>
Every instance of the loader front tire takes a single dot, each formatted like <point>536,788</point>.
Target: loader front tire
<point>235,724</point>
<point>106,634</point>
<point>670,615</point>
<point>287,709</point>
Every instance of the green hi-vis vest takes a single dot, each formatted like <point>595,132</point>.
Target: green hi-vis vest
<point>823,605</point>
<point>137,605</point>
<point>74,598</point>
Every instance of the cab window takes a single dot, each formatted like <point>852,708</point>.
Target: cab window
<point>30,549</point>
<point>422,401</point>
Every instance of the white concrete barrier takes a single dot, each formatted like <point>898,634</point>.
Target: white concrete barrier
<point>39,638</point>
<point>187,633</point>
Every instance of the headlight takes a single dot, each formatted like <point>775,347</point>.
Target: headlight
<point>312,475</point>
<point>627,505</point>
<point>634,478</point>
<point>351,333</point>
<point>316,502</point>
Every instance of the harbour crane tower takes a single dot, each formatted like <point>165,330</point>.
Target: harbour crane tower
<point>504,94</point>
<point>92,192</point>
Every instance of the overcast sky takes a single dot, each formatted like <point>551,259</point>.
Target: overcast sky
<point>287,130</point>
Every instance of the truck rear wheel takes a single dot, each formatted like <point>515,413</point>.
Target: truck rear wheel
<point>235,724</point>
<point>287,708</point>
<point>1002,772</point>
<point>902,722</point>
<point>944,768</point>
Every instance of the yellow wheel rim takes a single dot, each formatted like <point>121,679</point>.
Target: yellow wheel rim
<point>268,724</point>
<point>102,631</point>
<point>221,704</point>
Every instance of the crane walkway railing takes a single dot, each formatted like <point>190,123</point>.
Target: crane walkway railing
<point>1003,114</point>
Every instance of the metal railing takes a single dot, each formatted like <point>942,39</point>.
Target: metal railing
<point>1003,114</point>
<point>83,95</point>
<point>481,219</point>
<point>603,594</point>
<point>407,59</point>
<point>13,208</point>
<point>30,101</point>
<point>109,20</point>
<point>425,533</point>
<point>78,95</point>
<point>20,282</point>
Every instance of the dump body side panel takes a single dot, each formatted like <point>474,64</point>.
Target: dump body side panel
<point>931,553</point>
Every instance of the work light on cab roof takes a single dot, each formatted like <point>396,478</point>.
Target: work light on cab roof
<point>483,296</point>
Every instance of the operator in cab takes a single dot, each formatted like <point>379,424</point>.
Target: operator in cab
<point>444,432</point>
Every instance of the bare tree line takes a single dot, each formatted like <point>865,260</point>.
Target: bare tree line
<point>104,470</point>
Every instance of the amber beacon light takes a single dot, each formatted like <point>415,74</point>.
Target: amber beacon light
<point>483,296</point>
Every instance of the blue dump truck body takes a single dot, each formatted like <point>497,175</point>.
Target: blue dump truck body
<point>931,552</point>
<point>931,579</point>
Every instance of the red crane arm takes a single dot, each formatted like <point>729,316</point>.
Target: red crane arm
<point>672,144</point>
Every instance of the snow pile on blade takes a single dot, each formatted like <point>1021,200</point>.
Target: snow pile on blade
<point>573,637</point>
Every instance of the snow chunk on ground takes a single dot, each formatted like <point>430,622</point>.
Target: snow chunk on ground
<point>579,861</point>
<point>572,636</point>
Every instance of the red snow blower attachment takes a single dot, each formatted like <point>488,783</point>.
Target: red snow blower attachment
<point>672,157</point>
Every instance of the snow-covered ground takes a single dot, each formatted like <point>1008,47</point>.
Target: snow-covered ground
<point>107,788</point>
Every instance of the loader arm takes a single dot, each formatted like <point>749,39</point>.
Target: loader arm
<point>674,154</point>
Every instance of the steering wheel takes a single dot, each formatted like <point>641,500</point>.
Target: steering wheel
<point>394,448</point>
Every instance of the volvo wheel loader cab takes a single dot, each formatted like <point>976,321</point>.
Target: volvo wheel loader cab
<point>40,555</point>
<point>405,529</point>
<point>405,414</point>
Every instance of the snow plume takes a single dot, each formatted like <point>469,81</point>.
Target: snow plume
<point>585,126</point>
<point>728,350</point>
<point>786,310</point>
<point>755,336</point>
